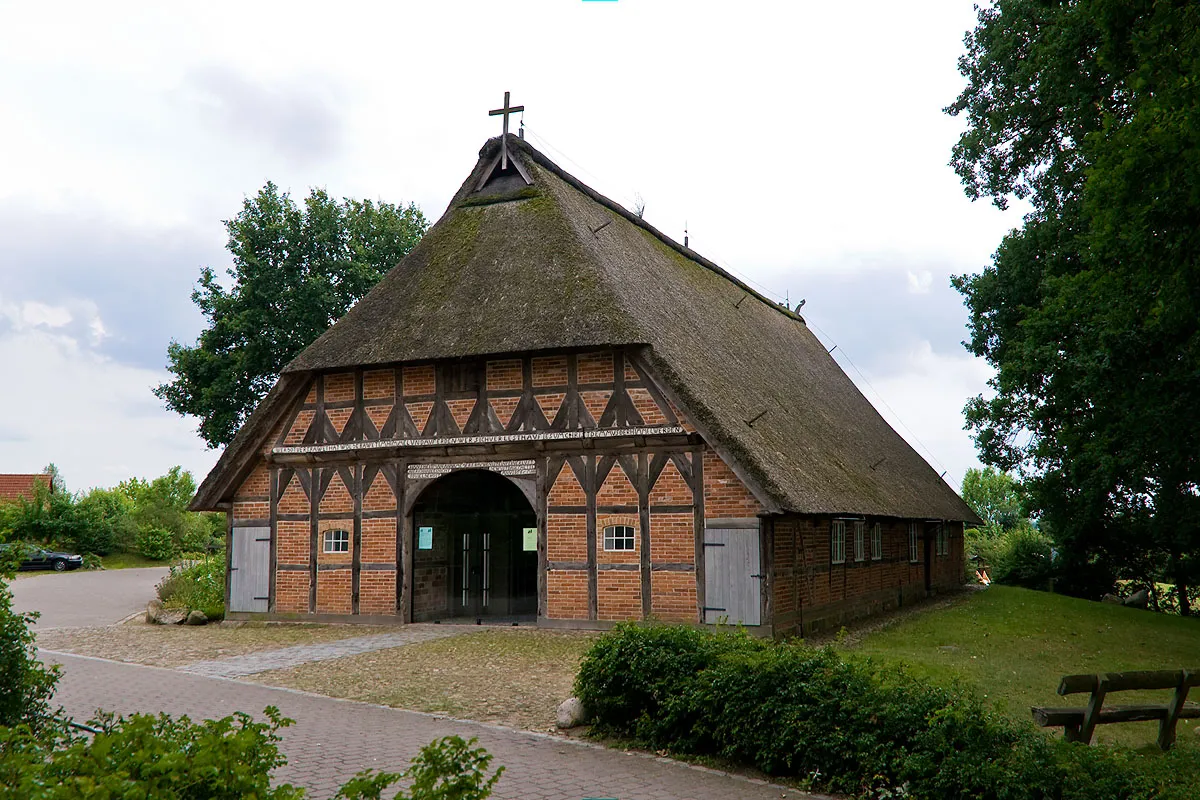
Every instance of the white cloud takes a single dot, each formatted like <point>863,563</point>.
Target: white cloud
<point>94,418</point>
<point>920,282</point>
<point>33,314</point>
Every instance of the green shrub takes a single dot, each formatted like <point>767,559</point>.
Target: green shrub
<point>25,685</point>
<point>846,725</point>
<point>161,758</point>
<point>155,543</point>
<point>1022,556</point>
<point>200,585</point>
<point>148,757</point>
<point>445,769</point>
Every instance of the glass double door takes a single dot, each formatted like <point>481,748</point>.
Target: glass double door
<point>492,572</point>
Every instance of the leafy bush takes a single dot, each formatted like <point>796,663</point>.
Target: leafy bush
<point>55,518</point>
<point>199,585</point>
<point>844,725</point>
<point>161,758</point>
<point>25,685</point>
<point>148,757</point>
<point>156,544</point>
<point>445,769</point>
<point>1022,556</point>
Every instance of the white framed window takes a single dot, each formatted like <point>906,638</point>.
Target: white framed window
<point>837,542</point>
<point>943,540</point>
<point>914,550</point>
<point>337,541</point>
<point>860,544</point>
<point>618,537</point>
<point>876,542</point>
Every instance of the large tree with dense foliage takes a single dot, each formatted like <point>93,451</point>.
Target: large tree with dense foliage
<point>1089,110</point>
<point>296,270</point>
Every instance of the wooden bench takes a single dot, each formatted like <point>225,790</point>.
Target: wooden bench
<point>1080,723</point>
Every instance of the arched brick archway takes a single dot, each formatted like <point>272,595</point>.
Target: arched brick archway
<point>472,557</point>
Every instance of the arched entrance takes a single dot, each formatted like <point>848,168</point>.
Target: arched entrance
<point>474,549</point>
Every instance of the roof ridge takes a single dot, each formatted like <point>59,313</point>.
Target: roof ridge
<point>545,161</point>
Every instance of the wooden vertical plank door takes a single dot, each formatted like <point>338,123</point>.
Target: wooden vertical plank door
<point>249,572</point>
<point>732,581</point>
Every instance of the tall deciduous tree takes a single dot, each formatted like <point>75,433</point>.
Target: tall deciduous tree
<point>996,497</point>
<point>1090,111</point>
<point>296,270</point>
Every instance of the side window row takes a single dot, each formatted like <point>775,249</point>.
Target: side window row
<point>837,541</point>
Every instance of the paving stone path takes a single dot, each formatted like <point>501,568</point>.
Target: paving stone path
<point>333,739</point>
<point>252,663</point>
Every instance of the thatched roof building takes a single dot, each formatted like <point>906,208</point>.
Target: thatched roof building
<point>529,260</point>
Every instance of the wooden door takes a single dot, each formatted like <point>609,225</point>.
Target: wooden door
<point>249,569</point>
<point>732,581</point>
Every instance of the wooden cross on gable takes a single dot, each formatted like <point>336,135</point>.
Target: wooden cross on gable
<point>505,111</point>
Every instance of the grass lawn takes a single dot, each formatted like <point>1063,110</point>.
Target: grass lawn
<point>508,676</point>
<point>130,561</point>
<point>1013,645</point>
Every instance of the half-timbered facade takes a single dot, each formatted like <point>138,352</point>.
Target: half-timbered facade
<point>550,411</point>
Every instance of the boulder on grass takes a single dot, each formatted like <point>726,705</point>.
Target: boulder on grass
<point>157,615</point>
<point>1139,599</point>
<point>197,617</point>
<point>1111,598</point>
<point>571,713</point>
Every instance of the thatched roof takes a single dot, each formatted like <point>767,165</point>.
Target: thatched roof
<point>555,265</point>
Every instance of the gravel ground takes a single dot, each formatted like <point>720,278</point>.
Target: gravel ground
<point>177,645</point>
<point>512,677</point>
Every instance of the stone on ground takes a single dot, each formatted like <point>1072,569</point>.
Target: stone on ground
<point>197,617</point>
<point>157,615</point>
<point>571,713</point>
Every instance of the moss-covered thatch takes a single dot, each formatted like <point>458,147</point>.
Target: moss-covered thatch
<point>557,265</point>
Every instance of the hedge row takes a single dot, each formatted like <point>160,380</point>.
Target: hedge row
<point>845,725</point>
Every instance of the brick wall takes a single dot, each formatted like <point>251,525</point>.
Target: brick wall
<point>725,495</point>
<point>377,592</point>
<point>566,594</point>
<point>673,596</point>
<point>291,592</point>
<point>618,595</point>
<point>812,594</point>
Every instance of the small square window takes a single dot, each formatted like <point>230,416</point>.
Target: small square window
<point>837,543</point>
<point>914,552</point>
<point>337,541</point>
<point>876,542</point>
<point>618,537</point>
<point>860,547</point>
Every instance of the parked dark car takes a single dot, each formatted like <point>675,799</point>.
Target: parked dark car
<point>37,558</point>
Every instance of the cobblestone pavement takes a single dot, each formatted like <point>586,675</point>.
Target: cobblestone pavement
<point>251,663</point>
<point>333,739</point>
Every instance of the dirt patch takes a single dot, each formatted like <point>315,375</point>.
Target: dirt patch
<point>513,677</point>
<point>176,645</point>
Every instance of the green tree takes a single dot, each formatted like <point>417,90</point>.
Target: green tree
<point>295,272</point>
<point>1090,111</point>
<point>995,496</point>
<point>160,506</point>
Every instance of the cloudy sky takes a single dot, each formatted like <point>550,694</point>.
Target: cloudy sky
<point>802,144</point>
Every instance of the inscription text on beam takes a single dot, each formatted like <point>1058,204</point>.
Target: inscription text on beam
<point>504,112</point>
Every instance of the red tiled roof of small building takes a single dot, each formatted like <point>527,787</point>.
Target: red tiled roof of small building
<point>14,486</point>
